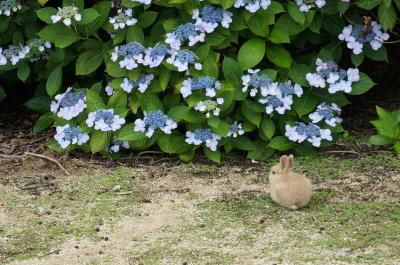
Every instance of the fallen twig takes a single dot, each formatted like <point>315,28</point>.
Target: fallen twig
<point>36,155</point>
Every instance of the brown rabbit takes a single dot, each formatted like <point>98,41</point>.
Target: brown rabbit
<point>289,189</point>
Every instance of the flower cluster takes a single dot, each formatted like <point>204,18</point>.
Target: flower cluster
<point>182,59</point>
<point>306,5</point>
<point>155,55</point>
<point>358,35</point>
<point>310,132</point>
<point>105,120</point>
<point>252,5</point>
<point>14,53</point>
<point>69,104</point>
<point>146,2</point>
<point>155,120</point>
<point>186,32</point>
<point>116,145</point>
<point>209,106</point>
<point>235,129</point>
<point>67,14</point>
<point>9,6</point>
<point>108,89</point>
<point>328,113</point>
<point>123,19</point>
<point>256,82</point>
<point>329,74</point>
<point>67,135</point>
<point>205,136</point>
<point>38,49</point>
<point>129,55</point>
<point>141,84</point>
<point>207,83</point>
<point>208,18</point>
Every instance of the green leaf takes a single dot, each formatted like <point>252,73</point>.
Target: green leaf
<point>387,17</point>
<point>99,140</point>
<point>214,156</point>
<point>45,14</point>
<point>218,126</point>
<point>146,19</point>
<point>357,60</point>
<point>118,102</point>
<point>23,71</point>
<point>177,113</point>
<point>281,143</point>
<point>396,148</point>
<point>379,55</point>
<point>188,156</point>
<point>251,53</point>
<point>278,55</point>
<point>39,104</point>
<point>88,16</point>
<point>172,143</point>
<point>295,13</point>
<point>53,83</point>
<point>368,5</point>
<point>89,61</point>
<point>243,143</point>
<point>305,104</point>
<point>59,34</point>
<point>2,94</point>
<point>380,140</point>
<point>267,127</point>
<point>44,122</point>
<point>250,113</point>
<point>94,101</point>
<point>127,133</point>
<point>135,33</point>
<point>363,85</point>
<point>232,72</point>
<point>151,102</point>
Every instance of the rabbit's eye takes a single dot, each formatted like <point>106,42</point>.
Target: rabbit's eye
<point>273,172</point>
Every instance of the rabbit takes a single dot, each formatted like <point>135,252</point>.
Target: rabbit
<point>289,189</point>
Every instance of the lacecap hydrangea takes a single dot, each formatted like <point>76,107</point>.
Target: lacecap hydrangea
<point>307,5</point>
<point>124,18</point>
<point>209,106</point>
<point>141,84</point>
<point>129,55</point>
<point>330,114</point>
<point>307,131</point>
<point>155,120</point>
<point>252,5</point>
<point>207,83</point>
<point>69,104</point>
<point>359,35</point>
<point>182,59</point>
<point>67,14</point>
<point>154,56</point>
<point>67,135</point>
<point>7,7</point>
<point>334,78</point>
<point>13,54</point>
<point>105,120</point>
<point>235,129</point>
<point>203,136</point>
<point>209,18</point>
<point>186,32</point>
<point>116,145</point>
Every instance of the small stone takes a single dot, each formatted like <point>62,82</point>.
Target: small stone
<point>40,210</point>
<point>106,238</point>
<point>97,229</point>
<point>101,252</point>
<point>77,247</point>
<point>116,188</point>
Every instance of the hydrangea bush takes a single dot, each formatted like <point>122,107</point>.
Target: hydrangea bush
<point>259,76</point>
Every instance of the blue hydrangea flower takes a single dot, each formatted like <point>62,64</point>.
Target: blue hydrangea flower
<point>235,129</point>
<point>208,18</point>
<point>277,103</point>
<point>207,83</point>
<point>131,54</point>
<point>252,5</point>
<point>7,7</point>
<point>141,84</point>
<point>37,49</point>
<point>310,132</point>
<point>356,37</point>
<point>206,136</point>
<point>182,59</point>
<point>67,135</point>
<point>329,113</point>
<point>116,145</point>
<point>185,32</point>
<point>155,120</point>
<point>256,82</point>
<point>69,104</point>
<point>329,74</point>
<point>154,56</point>
<point>105,120</point>
<point>14,54</point>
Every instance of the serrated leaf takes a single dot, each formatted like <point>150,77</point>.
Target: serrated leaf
<point>251,53</point>
<point>89,61</point>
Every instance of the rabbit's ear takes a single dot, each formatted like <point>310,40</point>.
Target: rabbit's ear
<point>290,162</point>
<point>283,162</point>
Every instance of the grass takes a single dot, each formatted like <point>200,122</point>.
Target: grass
<point>233,228</point>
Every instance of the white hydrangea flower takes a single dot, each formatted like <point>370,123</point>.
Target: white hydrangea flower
<point>105,120</point>
<point>124,18</point>
<point>129,55</point>
<point>7,7</point>
<point>328,113</point>
<point>310,132</point>
<point>307,5</point>
<point>209,107</point>
<point>69,104</point>
<point>182,59</point>
<point>67,14</point>
<point>116,145</point>
<point>141,84</point>
<point>14,54</point>
<point>154,56</point>
<point>146,2</point>
<point>207,83</point>
<point>235,129</point>
<point>67,136</point>
<point>252,5</point>
<point>186,32</point>
<point>208,18</point>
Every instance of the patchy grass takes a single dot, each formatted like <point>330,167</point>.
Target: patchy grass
<point>206,214</point>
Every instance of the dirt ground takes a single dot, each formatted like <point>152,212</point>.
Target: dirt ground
<point>166,212</point>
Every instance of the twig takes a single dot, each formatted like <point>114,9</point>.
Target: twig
<point>124,193</point>
<point>49,159</point>
<point>342,152</point>
<point>149,153</point>
<point>36,155</point>
<point>57,251</point>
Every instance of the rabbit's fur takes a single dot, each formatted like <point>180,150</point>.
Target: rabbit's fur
<point>289,189</point>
